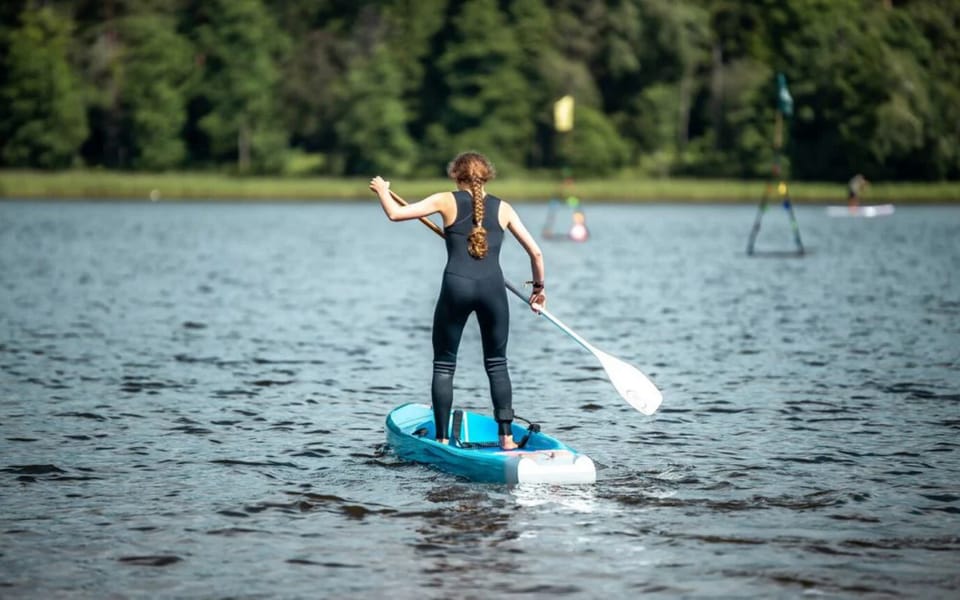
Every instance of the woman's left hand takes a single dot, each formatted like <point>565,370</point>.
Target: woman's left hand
<point>379,184</point>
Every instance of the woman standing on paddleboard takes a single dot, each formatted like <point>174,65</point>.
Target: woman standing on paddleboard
<point>474,222</point>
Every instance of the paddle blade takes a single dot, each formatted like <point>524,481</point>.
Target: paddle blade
<point>632,385</point>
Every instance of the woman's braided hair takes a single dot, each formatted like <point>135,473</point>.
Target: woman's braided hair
<point>472,170</point>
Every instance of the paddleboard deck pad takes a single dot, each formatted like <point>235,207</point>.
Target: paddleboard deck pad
<point>475,454</point>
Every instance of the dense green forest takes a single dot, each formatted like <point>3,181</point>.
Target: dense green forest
<point>353,87</point>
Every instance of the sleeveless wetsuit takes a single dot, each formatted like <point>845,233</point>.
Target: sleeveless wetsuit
<point>471,285</point>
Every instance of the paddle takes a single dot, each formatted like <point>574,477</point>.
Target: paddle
<point>632,385</point>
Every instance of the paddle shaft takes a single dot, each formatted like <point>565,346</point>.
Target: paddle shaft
<point>546,313</point>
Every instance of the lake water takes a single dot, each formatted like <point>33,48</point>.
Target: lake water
<point>192,401</point>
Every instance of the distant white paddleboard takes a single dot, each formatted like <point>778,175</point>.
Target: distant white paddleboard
<point>878,210</point>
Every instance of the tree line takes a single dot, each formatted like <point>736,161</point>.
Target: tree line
<point>355,87</point>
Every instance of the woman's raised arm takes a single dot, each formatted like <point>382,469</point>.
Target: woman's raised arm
<point>395,212</point>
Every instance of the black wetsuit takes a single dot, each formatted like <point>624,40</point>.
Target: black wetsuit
<point>472,285</point>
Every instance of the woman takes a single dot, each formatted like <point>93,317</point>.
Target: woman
<point>474,222</point>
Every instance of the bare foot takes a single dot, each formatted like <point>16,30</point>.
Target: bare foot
<point>443,441</point>
<point>507,443</point>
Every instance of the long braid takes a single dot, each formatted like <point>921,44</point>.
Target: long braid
<point>477,241</point>
<point>472,170</point>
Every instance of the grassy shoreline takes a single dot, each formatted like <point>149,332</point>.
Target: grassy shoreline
<point>83,184</point>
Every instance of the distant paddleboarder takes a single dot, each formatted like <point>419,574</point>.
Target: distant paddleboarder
<point>855,186</point>
<point>474,222</point>
<point>578,231</point>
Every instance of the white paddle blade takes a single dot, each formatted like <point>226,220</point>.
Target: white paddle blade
<point>632,385</point>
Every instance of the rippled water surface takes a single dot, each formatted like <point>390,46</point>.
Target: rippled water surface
<point>192,400</point>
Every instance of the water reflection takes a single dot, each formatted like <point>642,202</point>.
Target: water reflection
<point>573,498</point>
<point>463,523</point>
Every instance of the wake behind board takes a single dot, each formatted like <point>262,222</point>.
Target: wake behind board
<point>877,210</point>
<point>478,457</point>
